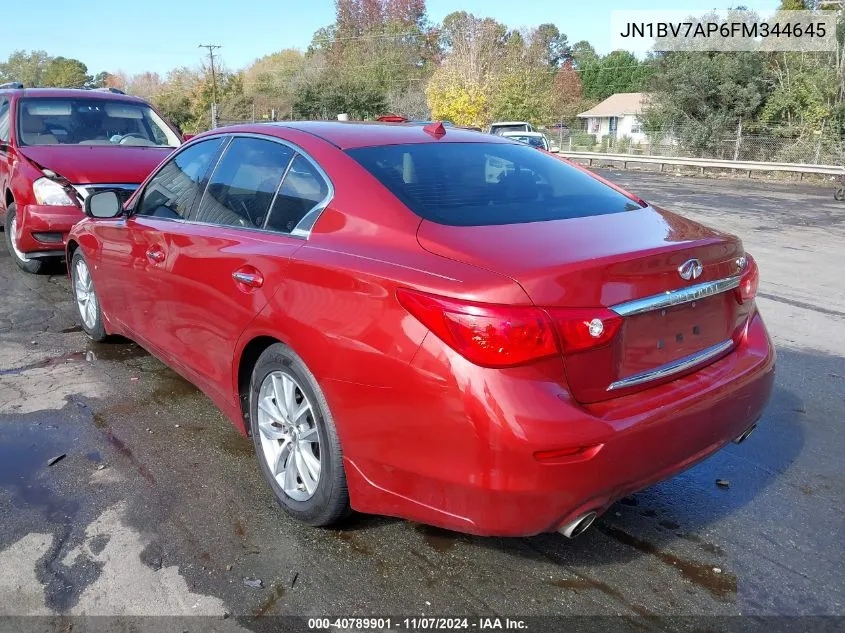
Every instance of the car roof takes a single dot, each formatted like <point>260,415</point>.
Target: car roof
<point>71,93</point>
<point>509,123</point>
<point>350,135</point>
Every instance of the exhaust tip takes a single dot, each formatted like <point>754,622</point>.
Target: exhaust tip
<point>746,434</point>
<point>578,526</point>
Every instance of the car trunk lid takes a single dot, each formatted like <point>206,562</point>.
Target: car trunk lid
<point>617,260</point>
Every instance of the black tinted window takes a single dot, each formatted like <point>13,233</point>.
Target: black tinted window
<point>174,190</point>
<point>302,190</point>
<point>472,184</point>
<point>4,120</point>
<point>242,187</point>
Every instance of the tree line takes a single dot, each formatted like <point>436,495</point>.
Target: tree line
<point>386,56</point>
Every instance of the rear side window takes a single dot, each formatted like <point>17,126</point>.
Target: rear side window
<point>302,190</point>
<point>476,184</point>
<point>174,190</point>
<point>244,184</point>
<point>4,120</point>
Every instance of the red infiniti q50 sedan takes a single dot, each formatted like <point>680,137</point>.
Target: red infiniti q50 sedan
<point>431,323</point>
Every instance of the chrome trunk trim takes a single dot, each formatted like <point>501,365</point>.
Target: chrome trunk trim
<point>675,367</point>
<point>676,297</point>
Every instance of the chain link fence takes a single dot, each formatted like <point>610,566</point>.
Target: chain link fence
<point>783,146</point>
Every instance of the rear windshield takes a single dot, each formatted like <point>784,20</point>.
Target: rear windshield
<point>476,184</point>
<point>533,141</point>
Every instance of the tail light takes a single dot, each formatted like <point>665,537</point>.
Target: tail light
<point>748,282</point>
<point>581,329</point>
<point>484,334</point>
<point>505,336</point>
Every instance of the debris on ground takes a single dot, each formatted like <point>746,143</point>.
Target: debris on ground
<point>228,568</point>
<point>56,459</point>
<point>90,356</point>
<point>717,570</point>
<point>101,466</point>
<point>293,578</point>
<point>723,483</point>
<point>255,583</point>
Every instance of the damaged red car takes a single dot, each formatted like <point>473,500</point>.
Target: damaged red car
<point>430,323</point>
<point>57,146</point>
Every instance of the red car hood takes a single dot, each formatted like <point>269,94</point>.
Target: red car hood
<point>92,164</point>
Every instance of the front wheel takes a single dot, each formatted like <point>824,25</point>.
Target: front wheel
<point>27,264</point>
<point>295,438</point>
<point>839,193</point>
<point>87,302</point>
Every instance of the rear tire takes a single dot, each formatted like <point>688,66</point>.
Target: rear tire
<point>26,264</point>
<point>839,193</point>
<point>295,437</point>
<point>85,297</point>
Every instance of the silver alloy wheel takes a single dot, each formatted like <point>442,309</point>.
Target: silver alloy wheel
<point>290,441</point>
<point>13,228</point>
<point>86,298</point>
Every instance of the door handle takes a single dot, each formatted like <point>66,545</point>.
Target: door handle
<point>155,255</point>
<point>248,276</point>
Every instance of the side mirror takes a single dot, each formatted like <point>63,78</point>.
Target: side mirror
<point>103,204</point>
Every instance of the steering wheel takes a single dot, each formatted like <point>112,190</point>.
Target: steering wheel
<point>126,137</point>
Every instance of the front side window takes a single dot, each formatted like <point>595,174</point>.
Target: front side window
<point>4,121</point>
<point>303,189</point>
<point>244,184</point>
<point>56,121</point>
<point>178,185</point>
<point>475,184</point>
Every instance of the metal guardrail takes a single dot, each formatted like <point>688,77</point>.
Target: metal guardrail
<point>703,163</point>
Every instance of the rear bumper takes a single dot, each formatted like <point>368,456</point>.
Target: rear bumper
<point>458,448</point>
<point>54,221</point>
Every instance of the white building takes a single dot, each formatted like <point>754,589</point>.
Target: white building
<point>618,115</point>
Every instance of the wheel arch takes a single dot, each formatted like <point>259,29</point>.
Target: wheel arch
<point>72,245</point>
<point>245,364</point>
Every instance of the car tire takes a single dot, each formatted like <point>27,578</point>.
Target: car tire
<point>85,298</point>
<point>26,264</point>
<point>839,193</point>
<point>288,441</point>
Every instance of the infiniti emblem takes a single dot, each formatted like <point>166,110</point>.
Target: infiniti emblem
<point>691,269</point>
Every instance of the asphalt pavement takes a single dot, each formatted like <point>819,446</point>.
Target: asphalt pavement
<point>156,505</point>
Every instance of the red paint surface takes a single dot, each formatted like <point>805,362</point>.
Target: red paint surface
<point>426,434</point>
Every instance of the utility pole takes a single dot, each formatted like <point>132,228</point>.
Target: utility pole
<point>211,48</point>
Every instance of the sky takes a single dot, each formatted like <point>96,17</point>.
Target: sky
<point>158,35</point>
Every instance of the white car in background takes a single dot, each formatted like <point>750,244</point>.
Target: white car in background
<point>534,139</point>
<point>501,127</point>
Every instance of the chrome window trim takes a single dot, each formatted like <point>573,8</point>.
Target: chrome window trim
<point>303,228</point>
<point>676,297</point>
<point>82,190</point>
<point>675,367</point>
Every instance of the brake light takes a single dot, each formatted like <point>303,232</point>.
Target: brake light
<point>748,282</point>
<point>485,334</point>
<point>581,329</point>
